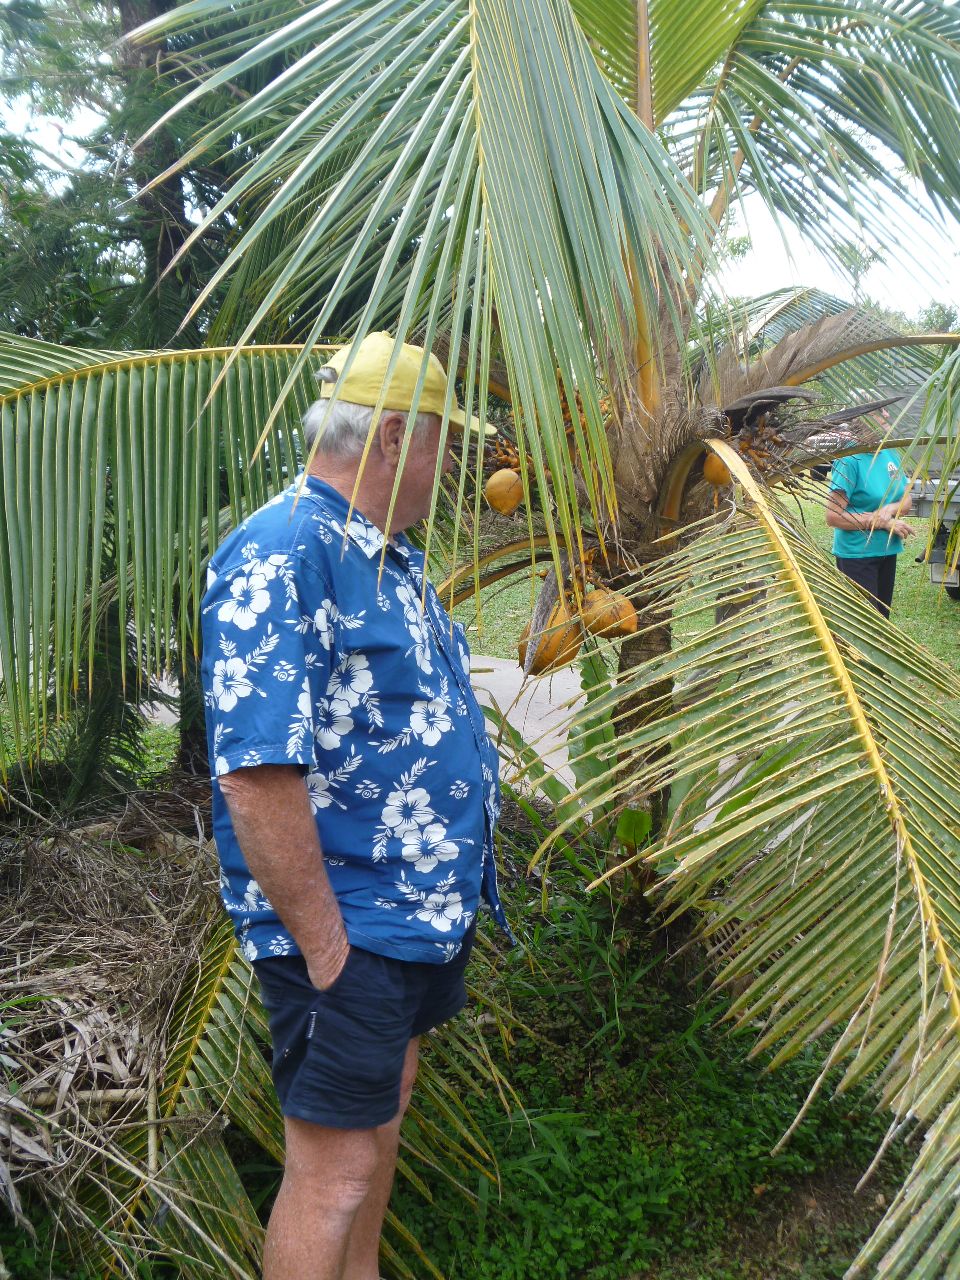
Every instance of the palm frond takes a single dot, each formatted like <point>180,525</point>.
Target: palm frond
<point>143,444</point>
<point>846,352</point>
<point>685,43</point>
<point>811,749</point>
<point>941,424</point>
<point>755,325</point>
<point>475,163</point>
<point>810,103</point>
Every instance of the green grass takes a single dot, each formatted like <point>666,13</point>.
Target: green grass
<point>505,610</point>
<point>160,745</point>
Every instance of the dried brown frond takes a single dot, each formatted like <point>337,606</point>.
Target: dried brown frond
<point>97,927</point>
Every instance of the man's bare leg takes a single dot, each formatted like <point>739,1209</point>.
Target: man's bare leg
<point>335,1189</point>
<point>328,1174</point>
<point>363,1249</point>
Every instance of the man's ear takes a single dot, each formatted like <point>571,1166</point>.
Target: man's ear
<point>391,432</point>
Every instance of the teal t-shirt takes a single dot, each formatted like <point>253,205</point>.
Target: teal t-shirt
<point>870,480</point>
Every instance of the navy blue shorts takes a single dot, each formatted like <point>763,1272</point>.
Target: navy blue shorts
<point>876,574</point>
<point>338,1054</point>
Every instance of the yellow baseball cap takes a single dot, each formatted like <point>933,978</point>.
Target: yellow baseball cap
<point>365,380</point>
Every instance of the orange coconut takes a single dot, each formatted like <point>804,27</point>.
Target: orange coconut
<point>504,491</point>
<point>715,471</point>
<point>558,643</point>
<point>608,613</point>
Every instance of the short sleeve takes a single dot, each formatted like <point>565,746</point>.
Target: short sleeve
<point>266,661</point>
<point>843,475</point>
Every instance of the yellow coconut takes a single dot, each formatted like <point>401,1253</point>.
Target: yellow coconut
<point>559,642</point>
<point>504,491</point>
<point>608,613</point>
<point>715,471</point>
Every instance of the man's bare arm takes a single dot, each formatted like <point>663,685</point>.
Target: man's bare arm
<point>270,809</point>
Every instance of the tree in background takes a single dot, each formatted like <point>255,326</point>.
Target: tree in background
<point>536,188</point>
<point>85,250</point>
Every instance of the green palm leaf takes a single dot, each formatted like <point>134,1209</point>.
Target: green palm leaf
<point>809,103</point>
<point>942,420</point>
<point>142,443</point>
<point>675,49</point>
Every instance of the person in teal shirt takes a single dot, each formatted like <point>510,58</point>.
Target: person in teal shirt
<point>869,496</point>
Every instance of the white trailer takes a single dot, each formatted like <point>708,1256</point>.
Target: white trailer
<point>942,555</point>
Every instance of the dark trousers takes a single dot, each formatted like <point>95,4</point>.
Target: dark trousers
<point>875,574</point>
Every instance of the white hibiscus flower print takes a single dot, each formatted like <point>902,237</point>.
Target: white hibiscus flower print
<point>250,598</point>
<point>418,630</point>
<point>302,721</point>
<point>410,601</point>
<point>367,536</point>
<point>331,721</point>
<point>230,683</point>
<point>429,720</point>
<point>249,950</point>
<point>351,679</point>
<point>322,621</point>
<point>318,788</point>
<point>269,567</point>
<point>254,899</point>
<point>405,811</point>
<point>225,891</point>
<point>441,910</point>
<point>426,847</point>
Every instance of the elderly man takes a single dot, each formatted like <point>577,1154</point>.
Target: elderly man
<point>355,796</point>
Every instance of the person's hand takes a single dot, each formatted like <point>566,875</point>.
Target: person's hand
<point>889,511</point>
<point>324,969</point>
<point>900,529</point>
<point>893,525</point>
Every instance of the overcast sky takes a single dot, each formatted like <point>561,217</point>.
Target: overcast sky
<point>927,268</point>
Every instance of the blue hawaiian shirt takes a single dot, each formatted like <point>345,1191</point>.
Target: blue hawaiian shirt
<point>315,656</point>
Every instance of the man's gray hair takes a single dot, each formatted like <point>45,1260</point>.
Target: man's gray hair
<point>341,428</point>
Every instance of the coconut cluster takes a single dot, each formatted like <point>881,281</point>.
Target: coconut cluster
<point>603,613</point>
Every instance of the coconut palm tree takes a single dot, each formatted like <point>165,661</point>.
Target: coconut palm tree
<point>536,188</point>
